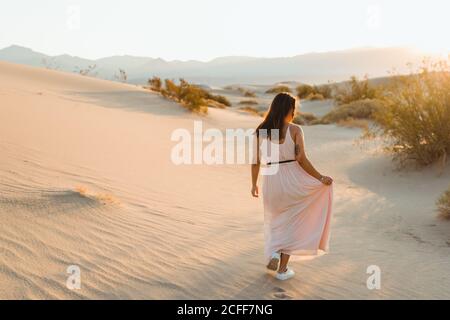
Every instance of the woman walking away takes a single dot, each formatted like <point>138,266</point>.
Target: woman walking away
<point>297,198</point>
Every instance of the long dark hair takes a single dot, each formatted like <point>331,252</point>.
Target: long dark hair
<point>282,104</point>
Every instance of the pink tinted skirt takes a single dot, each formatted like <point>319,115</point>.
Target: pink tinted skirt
<point>297,213</point>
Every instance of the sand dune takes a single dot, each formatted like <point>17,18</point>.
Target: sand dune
<point>86,179</point>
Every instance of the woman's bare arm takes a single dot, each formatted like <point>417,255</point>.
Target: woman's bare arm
<point>302,159</point>
<point>255,170</point>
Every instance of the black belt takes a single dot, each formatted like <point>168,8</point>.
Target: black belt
<point>285,161</point>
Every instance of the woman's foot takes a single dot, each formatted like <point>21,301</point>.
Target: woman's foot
<point>274,260</point>
<point>284,275</point>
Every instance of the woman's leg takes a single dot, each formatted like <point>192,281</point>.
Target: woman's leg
<point>283,262</point>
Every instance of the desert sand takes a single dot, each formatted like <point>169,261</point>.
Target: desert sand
<point>86,179</point>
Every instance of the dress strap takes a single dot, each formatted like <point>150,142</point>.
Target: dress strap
<point>288,133</point>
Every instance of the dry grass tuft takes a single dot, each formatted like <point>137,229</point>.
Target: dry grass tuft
<point>155,84</point>
<point>308,92</point>
<point>304,118</point>
<point>354,123</point>
<point>279,89</point>
<point>443,205</point>
<point>361,109</point>
<point>82,191</point>
<point>103,198</point>
<point>415,120</point>
<point>192,97</point>
<point>315,97</point>
<point>248,102</point>
<point>356,90</point>
<point>249,94</point>
<point>107,199</point>
<point>251,110</point>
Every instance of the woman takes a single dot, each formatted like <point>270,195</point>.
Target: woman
<point>297,198</point>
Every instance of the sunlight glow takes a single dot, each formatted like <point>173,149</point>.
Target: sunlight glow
<point>205,29</point>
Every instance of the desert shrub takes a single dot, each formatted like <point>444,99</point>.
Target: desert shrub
<point>304,91</point>
<point>251,110</point>
<point>90,70</point>
<point>186,88</point>
<point>325,90</point>
<point>308,92</point>
<point>155,84</point>
<point>279,89</point>
<point>183,89</point>
<point>171,89</point>
<point>315,96</point>
<point>193,100</point>
<point>355,90</point>
<point>246,93</point>
<point>416,120</point>
<point>164,93</point>
<point>194,97</point>
<point>443,204</point>
<point>190,96</point>
<point>304,118</point>
<point>248,102</point>
<point>218,98</point>
<point>249,94</point>
<point>214,104</point>
<point>243,91</point>
<point>354,123</point>
<point>362,109</point>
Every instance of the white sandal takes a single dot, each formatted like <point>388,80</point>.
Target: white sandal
<point>289,273</point>
<point>274,260</point>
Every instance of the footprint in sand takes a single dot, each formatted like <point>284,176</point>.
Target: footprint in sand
<point>281,294</point>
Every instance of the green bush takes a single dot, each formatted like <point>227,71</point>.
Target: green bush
<point>416,118</point>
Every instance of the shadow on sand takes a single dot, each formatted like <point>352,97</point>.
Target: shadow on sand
<point>130,100</point>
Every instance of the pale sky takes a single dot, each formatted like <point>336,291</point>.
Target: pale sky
<point>205,29</point>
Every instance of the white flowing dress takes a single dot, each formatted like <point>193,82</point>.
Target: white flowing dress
<point>297,208</point>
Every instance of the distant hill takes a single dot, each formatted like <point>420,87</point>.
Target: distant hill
<point>307,68</point>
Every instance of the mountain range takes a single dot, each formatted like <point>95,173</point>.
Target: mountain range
<point>314,68</point>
